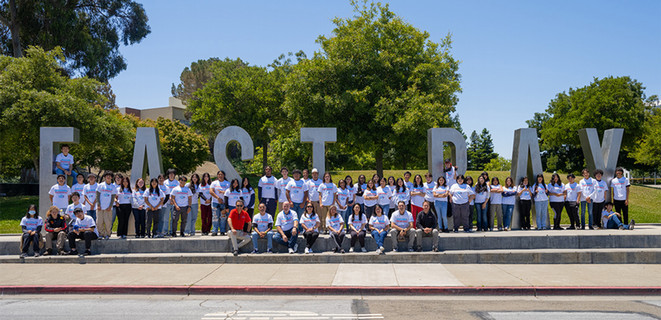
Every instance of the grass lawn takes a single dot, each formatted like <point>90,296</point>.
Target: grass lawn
<point>644,201</point>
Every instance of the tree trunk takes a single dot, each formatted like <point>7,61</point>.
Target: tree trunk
<point>35,162</point>
<point>15,30</point>
<point>265,154</point>
<point>379,162</point>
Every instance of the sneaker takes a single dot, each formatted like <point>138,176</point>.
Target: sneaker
<point>591,228</point>
<point>621,227</point>
<point>73,252</point>
<point>182,235</point>
<point>296,247</point>
<point>363,249</point>
<point>341,250</point>
<point>632,224</point>
<point>24,255</point>
<point>378,251</point>
<point>87,252</point>
<point>222,233</point>
<point>254,251</point>
<point>382,249</point>
<point>291,251</point>
<point>456,230</point>
<point>351,250</point>
<point>269,251</point>
<point>235,253</point>
<point>411,250</point>
<point>435,249</point>
<point>48,252</point>
<point>307,250</point>
<point>213,234</point>
<point>311,250</point>
<point>394,249</point>
<point>419,249</point>
<point>36,254</point>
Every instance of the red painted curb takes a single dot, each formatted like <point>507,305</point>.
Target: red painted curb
<point>340,290</point>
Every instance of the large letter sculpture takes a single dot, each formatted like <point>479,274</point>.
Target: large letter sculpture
<point>526,162</point>
<point>146,154</point>
<point>224,137</point>
<point>602,157</point>
<point>319,137</point>
<point>47,137</point>
<point>436,139</point>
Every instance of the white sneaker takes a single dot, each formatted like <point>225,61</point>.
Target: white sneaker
<point>291,250</point>
<point>307,250</point>
<point>350,249</point>
<point>378,251</point>
<point>363,249</point>
<point>382,249</point>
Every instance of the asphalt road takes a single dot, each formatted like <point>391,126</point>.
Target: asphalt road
<point>145,307</point>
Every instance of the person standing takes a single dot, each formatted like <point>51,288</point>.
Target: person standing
<point>371,198</point>
<point>125,197</point>
<point>379,225</point>
<point>401,224</point>
<point>426,226</point>
<point>154,198</point>
<point>89,196</point>
<point>335,226</point>
<point>496,207</point>
<point>287,225</point>
<point>262,228</point>
<point>525,202</point>
<point>359,188</point>
<point>217,191</point>
<point>296,192</point>
<point>401,193</point>
<point>556,199</point>
<point>384,194</point>
<point>620,186</point>
<point>461,194</point>
<point>342,201</point>
<point>248,196</point>
<point>115,207</point>
<point>181,199</point>
<point>168,206</point>
<point>239,222</point>
<point>327,191</point>
<point>417,196</point>
<point>508,201</point>
<point>105,193</point>
<point>205,203</point>
<point>310,224</point>
<point>59,193</point>
<point>191,220</point>
<point>540,192</point>
<point>56,229</point>
<point>599,195</point>
<point>352,191</point>
<point>64,163</point>
<point>357,225</point>
<point>441,193</point>
<point>586,189</point>
<point>267,191</point>
<point>429,192</point>
<point>68,213</point>
<point>572,201</point>
<point>281,185</point>
<point>79,187</point>
<point>482,206</point>
<point>138,207</point>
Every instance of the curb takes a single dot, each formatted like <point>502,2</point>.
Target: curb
<point>339,290</point>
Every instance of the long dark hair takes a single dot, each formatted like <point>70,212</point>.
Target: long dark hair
<point>415,183</point>
<point>537,180</point>
<point>445,183</point>
<point>360,212</point>
<point>151,186</point>
<point>399,188</point>
<point>36,213</point>
<point>307,205</point>
<point>555,182</point>
<point>481,187</point>
<point>208,178</point>
<point>521,182</point>
<point>143,185</point>
<point>247,185</point>
<point>194,183</point>
<point>238,185</point>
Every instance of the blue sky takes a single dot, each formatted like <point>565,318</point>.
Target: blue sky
<point>515,55</point>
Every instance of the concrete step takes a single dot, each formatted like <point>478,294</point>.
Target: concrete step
<point>525,256</point>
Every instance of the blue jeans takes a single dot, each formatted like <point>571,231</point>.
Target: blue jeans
<point>345,214</point>
<point>299,213</point>
<point>589,206</point>
<point>164,218</point>
<point>216,217</point>
<point>114,216</point>
<point>74,174</point>
<point>508,209</point>
<point>92,213</point>
<point>614,223</point>
<point>542,213</point>
<point>192,219</point>
<point>482,216</point>
<point>379,237</point>
<point>292,239</point>
<point>269,240</point>
<point>442,210</point>
<point>386,208</point>
<point>223,219</point>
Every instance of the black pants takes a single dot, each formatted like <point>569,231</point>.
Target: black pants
<point>310,238</point>
<point>369,211</point>
<point>152,222</point>
<point>123,214</point>
<point>524,212</point>
<point>271,205</point>
<point>140,221</point>
<point>338,238</point>
<point>572,212</point>
<point>360,237</point>
<point>251,212</point>
<point>597,207</point>
<point>27,239</point>
<point>88,236</point>
<point>557,213</point>
<point>390,211</point>
<point>622,209</point>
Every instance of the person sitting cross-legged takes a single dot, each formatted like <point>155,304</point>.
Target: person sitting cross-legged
<point>611,220</point>
<point>239,222</point>
<point>84,228</point>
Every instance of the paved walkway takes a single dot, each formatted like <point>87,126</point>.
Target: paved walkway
<point>329,275</point>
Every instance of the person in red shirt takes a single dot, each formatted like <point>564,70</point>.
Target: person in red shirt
<point>240,224</point>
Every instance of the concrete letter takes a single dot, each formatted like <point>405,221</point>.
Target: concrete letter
<point>319,137</point>
<point>224,137</point>
<point>436,139</point>
<point>47,137</point>
<point>526,161</point>
<point>146,153</point>
<point>602,157</point>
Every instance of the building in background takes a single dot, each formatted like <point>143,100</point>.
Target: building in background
<point>174,111</point>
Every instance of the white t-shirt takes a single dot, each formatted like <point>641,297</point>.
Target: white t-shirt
<point>401,220</point>
<point>327,192</point>
<point>415,199</point>
<point>65,161</point>
<point>600,187</point>
<point>310,222</point>
<point>556,188</point>
<point>154,198</point>
<point>440,190</point>
<point>181,195</point>
<point>450,177</point>
<point>60,195</point>
<point>408,184</point>
<point>124,195</point>
<point>80,188</point>
<point>402,195</point>
<point>496,197</point>
<point>572,191</point>
<point>620,188</point>
<point>357,221</point>
<point>286,220</point>
<point>379,222</point>
<point>343,198</point>
<point>587,188</point>
<point>262,221</point>
<point>370,193</point>
<point>359,199</point>
<point>246,195</point>
<point>268,187</point>
<point>281,184</point>
<point>207,194</point>
<point>31,224</point>
<point>171,184</point>
<point>297,189</point>
<point>482,196</point>
<point>384,195</point>
<point>219,188</point>
<point>105,193</point>
<point>86,223</point>
<point>70,209</point>
<point>313,189</point>
<point>195,193</point>
<point>90,192</point>
<point>525,195</point>
<point>233,196</point>
<point>138,199</point>
<point>335,222</point>
<point>604,218</point>
<point>508,199</point>
<point>460,193</point>
<point>429,191</point>
<point>540,192</point>
<point>352,192</point>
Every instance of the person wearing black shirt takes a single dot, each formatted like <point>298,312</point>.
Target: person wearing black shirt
<point>426,224</point>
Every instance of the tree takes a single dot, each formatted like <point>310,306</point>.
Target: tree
<point>182,149</point>
<point>649,147</point>
<point>192,79</point>
<point>379,80</point>
<point>480,150</point>
<point>612,102</point>
<point>90,32</point>
<point>498,164</point>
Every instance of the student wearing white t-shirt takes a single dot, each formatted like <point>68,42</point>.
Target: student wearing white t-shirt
<point>31,226</point>
<point>205,203</point>
<point>181,199</point>
<point>429,192</point>
<point>296,192</point>
<point>392,184</point>
<point>154,198</point>
<point>586,188</point>
<point>461,195</point>
<point>115,207</point>
<point>286,223</point>
<point>556,199</point>
<point>523,191</point>
<point>508,200</point>
<point>248,196</point>
<point>357,227</point>
<point>267,191</point>
<point>327,191</point>
<point>79,187</point>
<point>124,198</point>
<point>167,212</point>
<point>59,193</point>
<point>417,196</point>
<point>371,198</point>
<point>441,193</point>
<point>379,225</point>
<point>620,195</point>
<point>68,213</point>
<point>83,228</point>
<point>342,201</point>
<point>262,228</point>
<point>482,205</point>
<point>105,194</point>
<point>401,224</point>
<point>281,186</point>
<point>495,201</point>
<point>191,220</point>
<point>310,223</point>
<point>219,214</point>
<point>313,191</point>
<point>352,191</point>
<point>611,220</point>
<point>359,188</point>
<point>572,201</point>
<point>335,226</point>
<point>139,208</point>
<point>599,195</point>
<point>89,196</point>
<point>400,193</point>
<point>540,191</point>
<point>64,163</point>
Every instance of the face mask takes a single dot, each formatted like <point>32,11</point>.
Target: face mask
<point>32,212</point>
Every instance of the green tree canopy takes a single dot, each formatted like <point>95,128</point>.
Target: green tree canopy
<point>612,102</point>
<point>499,164</point>
<point>648,151</point>
<point>89,31</point>
<point>480,150</point>
<point>379,80</point>
<point>182,149</point>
